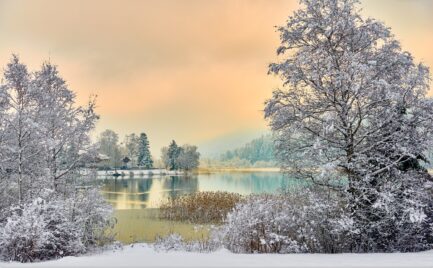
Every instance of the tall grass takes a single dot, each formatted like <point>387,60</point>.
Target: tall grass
<point>200,208</point>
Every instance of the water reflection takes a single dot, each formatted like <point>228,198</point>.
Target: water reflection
<point>137,193</point>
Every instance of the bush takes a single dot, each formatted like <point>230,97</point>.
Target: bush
<point>175,242</point>
<point>39,231</point>
<point>93,215</point>
<point>302,221</point>
<point>201,207</point>
<point>51,227</point>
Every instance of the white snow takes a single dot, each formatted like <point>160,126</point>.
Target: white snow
<point>142,255</point>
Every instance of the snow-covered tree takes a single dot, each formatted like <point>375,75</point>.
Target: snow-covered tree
<point>108,143</point>
<point>175,157</point>
<point>48,206</point>
<point>131,147</point>
<point>64,127</point>
<point>164,157</point>
<point>144,158</point>
<point>353,115</point>
<point>188,157</point>
<point>20,143</point>
<point>173,152</point>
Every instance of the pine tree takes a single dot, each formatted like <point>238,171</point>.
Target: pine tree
<point>144,158</point>
<point>173,154</point>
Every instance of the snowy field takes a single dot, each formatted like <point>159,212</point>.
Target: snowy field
<point>141,255</point>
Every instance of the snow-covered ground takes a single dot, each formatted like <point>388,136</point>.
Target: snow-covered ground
<point>142,255</point>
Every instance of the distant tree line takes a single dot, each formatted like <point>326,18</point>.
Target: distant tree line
<point>134,152</point>
<point>258,152</point>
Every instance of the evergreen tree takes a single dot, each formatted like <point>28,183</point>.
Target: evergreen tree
<point>144,158</point>
<point>173,154</point>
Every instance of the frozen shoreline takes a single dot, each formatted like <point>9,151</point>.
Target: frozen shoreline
<point>137,172</point>
<point>142,255</point>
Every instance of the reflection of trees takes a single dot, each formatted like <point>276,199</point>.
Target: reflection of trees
<point>135,192</point>
<point>142,192</point>
<point>131,192</point>
<point>179,185</point>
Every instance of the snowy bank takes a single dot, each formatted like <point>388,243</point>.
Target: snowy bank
<point>142,255</point>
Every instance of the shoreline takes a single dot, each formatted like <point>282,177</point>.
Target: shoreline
<point>164,172</point>
<point>237,169</point>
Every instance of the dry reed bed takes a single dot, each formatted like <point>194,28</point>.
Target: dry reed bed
<point>200,208</point>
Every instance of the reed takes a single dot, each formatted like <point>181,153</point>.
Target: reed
<point>200,208</point>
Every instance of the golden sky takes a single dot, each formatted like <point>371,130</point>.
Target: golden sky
<point>188,70</point>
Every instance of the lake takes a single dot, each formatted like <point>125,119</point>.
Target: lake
<point>136,199</point>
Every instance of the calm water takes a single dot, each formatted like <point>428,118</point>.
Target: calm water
<point>137,193</point>
<point>136,199</point>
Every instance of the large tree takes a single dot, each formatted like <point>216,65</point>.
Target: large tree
<point>46,198</point>
<point>64,128</point>
<point>353,115</point>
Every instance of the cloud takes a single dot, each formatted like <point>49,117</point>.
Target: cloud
<point>190,70</point>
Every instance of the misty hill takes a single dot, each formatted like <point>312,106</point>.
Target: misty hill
<point>214,148</point>
<point>260,149</point>
<point>258,152</point>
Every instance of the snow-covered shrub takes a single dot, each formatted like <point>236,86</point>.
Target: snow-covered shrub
<point>175,242</point>
<point>50,227</point>
<point>170,242</point>
<point>299,221</point>
<point>39,230</point>
<point>93,215</point>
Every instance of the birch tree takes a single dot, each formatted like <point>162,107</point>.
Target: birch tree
<point>131,147</point>
<point>63,126</point>
<point>48,207</point>
<point>20,141</point>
